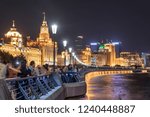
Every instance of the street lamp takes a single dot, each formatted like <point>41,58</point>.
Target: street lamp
<point>73,54</point>
<point>54,31</point>
<point>54,28</point>
<point>70,50</point>
<point>65,44</point>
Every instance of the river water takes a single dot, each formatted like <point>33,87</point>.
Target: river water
<point>118,87</point>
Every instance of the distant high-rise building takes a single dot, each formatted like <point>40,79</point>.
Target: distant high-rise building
<point>79,44</point>
<point>112,54</point>
<point>94,47</point>
<point>146,58</point>
<point>117,48</point>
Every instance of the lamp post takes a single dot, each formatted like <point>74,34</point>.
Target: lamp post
<point>54,31</point>
<point>70,50</point>
<point>65,44</point>
<point>73,54</point>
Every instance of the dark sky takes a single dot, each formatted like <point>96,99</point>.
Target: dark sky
<point>124,20</point>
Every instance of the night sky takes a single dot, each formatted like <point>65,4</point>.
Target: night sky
<point>127,21</point>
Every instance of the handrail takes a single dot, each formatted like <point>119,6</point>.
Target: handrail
<point>34,87</point>
<point>24,78</point>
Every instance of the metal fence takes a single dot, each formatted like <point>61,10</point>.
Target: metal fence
<point>70,77</point>
<point>32,88</point>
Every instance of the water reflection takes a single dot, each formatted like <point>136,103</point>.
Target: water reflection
<point>118,87</point>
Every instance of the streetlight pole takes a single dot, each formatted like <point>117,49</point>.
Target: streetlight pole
<point>73,54</point>
<point>54,31</point>
<point>54,54</point>
<point>70,50</point>
<point>65,44</point>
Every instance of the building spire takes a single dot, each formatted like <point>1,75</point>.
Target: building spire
<point>44,16</point>
<point>13,24</point>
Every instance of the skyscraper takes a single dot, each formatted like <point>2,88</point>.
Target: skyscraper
<point>94,47</point>
<point>112,54</point>
<point>79,44</point>
<point>117,48</point>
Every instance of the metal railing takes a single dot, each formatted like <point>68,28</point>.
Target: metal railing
<point>70,77</point>
<point>30,88</point>
<point>33,88</point>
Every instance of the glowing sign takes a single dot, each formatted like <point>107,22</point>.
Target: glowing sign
<point>81,37</point>
<point>93,44</point>
<point>115,43</point>
<point>101,46</point>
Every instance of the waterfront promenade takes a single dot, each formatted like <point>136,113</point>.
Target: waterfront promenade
<point>58,86</point>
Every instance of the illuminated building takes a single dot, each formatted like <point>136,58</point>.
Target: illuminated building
<point>14,36</point>
<point>111,54</point>
<point>86,56</point>
<point>105,54</point>
<point>45,44</point>
<point>146,59</point>
<point>121,61</point>
<point>118,46</point>
<point>13,43</point>
<point>61,58</point>
<point>101,57</point>
<point>132,58</point>
<point>41,50</point>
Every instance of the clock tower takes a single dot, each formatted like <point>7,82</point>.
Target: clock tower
<point>46,45</point>
<point>44,36</point>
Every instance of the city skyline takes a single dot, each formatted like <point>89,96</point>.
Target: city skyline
<point>126,22</point>
<point>74,50</point>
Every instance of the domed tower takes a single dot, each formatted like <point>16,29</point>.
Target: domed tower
<point>14,36</point>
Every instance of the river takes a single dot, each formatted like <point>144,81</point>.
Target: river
<point>118,87</point>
